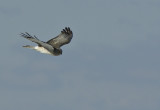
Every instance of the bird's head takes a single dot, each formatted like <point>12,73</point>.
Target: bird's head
<point>57,51</point>
<point>60,51</point>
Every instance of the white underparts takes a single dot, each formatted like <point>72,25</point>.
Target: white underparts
<point>42,50</point>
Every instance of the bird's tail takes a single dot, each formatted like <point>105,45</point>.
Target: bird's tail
<point>28,46</point>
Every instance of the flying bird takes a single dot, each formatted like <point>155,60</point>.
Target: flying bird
<point>53,46</point>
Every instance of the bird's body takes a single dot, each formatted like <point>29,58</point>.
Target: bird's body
<point>42,50</point>
<point>52,46</point>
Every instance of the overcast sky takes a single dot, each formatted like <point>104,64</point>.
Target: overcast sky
<point>112,62</point>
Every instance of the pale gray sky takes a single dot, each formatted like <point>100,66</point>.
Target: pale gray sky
<point>112,62</point>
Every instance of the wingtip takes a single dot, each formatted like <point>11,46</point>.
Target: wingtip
<point>66,30</point>
<point>21,34</point>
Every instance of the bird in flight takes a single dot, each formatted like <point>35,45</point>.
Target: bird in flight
<point>53,46</point>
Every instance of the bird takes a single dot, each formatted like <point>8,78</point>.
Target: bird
<point>52,46</point>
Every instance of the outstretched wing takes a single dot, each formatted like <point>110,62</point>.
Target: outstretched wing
<point>63,38</point>
<point>31,38</point>
<point>36,40</point>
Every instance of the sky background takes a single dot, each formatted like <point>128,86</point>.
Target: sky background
<point>112,62</point>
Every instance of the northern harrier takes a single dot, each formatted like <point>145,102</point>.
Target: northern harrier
<point>52,46</point>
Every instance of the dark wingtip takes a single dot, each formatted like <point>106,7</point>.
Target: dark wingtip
<point>22,34</point>
<point>62,32</point>
<point>66,30</point>
<point>69,28</point>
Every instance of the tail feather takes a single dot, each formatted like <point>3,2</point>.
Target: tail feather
<point>28,46</point>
